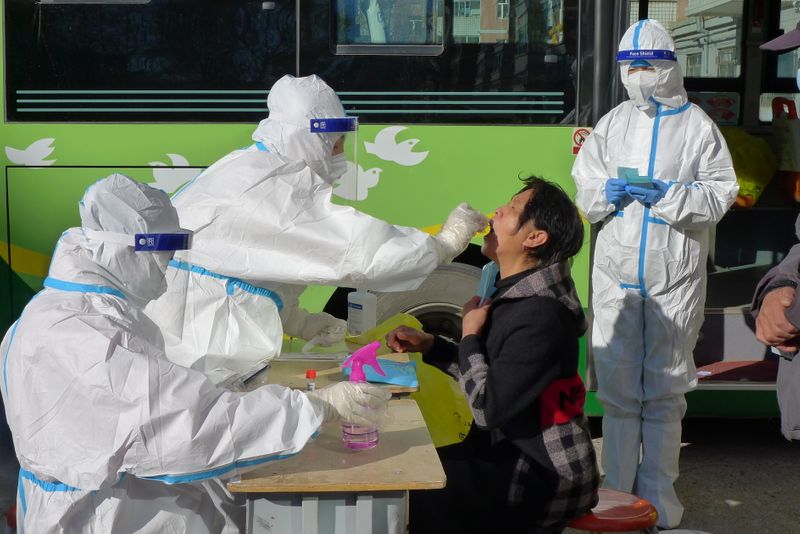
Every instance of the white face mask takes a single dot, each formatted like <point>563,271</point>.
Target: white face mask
<point>338,166</point>
<point>641,85</point>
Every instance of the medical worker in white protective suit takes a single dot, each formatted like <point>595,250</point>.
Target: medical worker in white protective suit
<point>110,435</point>
<point>265,226</point>
<point>649,276</point>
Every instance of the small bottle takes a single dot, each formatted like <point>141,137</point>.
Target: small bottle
<point>357,436</point>
<point>362,308</point>
<point>311,376</point>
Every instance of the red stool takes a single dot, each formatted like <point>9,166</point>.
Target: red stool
<point>618,511</point>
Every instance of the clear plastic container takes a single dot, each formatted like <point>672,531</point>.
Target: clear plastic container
<point>359,437</point>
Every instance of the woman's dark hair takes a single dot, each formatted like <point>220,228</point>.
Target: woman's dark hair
<point>551,210</point>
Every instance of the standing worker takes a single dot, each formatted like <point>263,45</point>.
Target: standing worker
<point>649,275</point>
<point>264,226</point>
<point>110,435</point>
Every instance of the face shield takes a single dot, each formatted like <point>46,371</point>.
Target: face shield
<point>648,66</point>
<point>342,134</point>
<point>161,246</point>
<point>141,265</point>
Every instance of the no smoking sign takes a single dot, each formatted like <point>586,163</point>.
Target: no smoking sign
<point>579,135</point>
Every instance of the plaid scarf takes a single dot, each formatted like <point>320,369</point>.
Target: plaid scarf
<point>553,281</point>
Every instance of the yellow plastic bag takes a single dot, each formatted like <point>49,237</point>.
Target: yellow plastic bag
<point>753,161</point>
<point>443,406</point>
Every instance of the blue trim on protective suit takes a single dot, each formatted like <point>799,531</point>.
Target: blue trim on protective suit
<point>675,111</point>
<point>647,219</point>
<point>261,146</point>
<point>629,286</point>
<point>21,494</point>
<point>46,486</point>
<point>642,249</point>
<point>62,285</point>
<point>215,473</point>
<point>231,282</point>
<point>636,34</point>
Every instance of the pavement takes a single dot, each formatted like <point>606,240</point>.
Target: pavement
<point>738,476</point>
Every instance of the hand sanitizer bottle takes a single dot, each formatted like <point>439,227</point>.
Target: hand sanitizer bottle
<point>357,436</point>
<point>362,311</point>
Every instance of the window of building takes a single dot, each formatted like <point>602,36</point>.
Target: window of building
<point>502,9</point>
<point>693,66</point>
<point>727,64</point>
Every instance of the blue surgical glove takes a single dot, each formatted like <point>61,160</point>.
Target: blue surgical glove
<point>649,196</point>
<point>615,191</point>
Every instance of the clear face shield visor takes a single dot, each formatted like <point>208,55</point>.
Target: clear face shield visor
<point>343,131</point>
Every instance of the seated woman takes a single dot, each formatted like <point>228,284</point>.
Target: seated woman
<point>527,464</point>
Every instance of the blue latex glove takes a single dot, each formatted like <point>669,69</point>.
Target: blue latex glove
<point>648,196</point>
<point>615,191</point>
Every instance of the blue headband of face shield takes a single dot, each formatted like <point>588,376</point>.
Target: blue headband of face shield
<point>334,125</point>
<point>150,242</point>
<point>162,242</point>
<point>631,55</point>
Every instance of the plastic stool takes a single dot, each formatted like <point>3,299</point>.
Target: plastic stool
<point>617,511</point>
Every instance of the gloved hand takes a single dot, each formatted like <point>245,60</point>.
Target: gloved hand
<point>324,329</point>
<point>615,191</point>
<point>649,196</point>
<point>357,402</point>
<point>461,225</point>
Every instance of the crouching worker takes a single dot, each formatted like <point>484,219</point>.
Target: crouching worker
<point>527,464</point>
<point>110,435</point>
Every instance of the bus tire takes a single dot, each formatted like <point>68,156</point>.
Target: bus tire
<point>436,302</point>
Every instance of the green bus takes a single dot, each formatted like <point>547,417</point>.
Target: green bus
<point>456,99</point>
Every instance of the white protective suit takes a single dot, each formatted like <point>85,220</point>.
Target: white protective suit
<point>264,226</point>
<point>649,275</point>
<point>110,435</point>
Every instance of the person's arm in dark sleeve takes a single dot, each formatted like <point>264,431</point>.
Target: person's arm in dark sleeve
<point>775,306</point>
<point>444,356</point>
<point>785,274</point>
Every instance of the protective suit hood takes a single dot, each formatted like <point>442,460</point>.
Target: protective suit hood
<point>118,205</point>
<point>292,102</point>
<point>648,40</point>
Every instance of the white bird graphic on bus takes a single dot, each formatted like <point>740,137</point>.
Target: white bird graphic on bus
<point>34,154</point>
<point>387,148</point>
<point>349,188</point>
<point>167,177</point>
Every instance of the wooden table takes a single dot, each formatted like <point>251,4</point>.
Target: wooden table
<point>329,489</point>
<point>292,373</point>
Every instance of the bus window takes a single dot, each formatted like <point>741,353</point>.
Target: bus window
<point>476,21</point>
<point>164,61</point>
<point>788,62</point>
<point>707,35</point>
<point>470,62</point>
<point>389,27</point>
<point>785,65</point>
